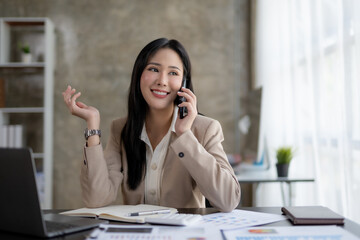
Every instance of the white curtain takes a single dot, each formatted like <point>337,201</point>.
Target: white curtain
<point>307,58</point>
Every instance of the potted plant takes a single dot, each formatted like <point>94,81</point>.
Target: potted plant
<point>25,53</point>
<point>284,156</point>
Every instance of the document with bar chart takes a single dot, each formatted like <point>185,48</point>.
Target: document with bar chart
<point>290,233</point>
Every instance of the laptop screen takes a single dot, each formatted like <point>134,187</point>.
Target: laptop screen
<point>19,204</point>
<point>17,182</point>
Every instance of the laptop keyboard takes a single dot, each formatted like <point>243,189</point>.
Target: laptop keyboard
<point>56,226</point>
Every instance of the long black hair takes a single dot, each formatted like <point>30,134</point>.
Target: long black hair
<point>137,108</point>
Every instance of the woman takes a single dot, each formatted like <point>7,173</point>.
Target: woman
<point>153,155</point>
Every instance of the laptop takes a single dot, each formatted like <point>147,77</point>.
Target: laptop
<point>19,202</point>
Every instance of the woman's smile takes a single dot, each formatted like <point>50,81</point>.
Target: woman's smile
<point>159,93</point>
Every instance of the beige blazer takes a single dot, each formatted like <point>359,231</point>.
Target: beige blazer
<point>195,167</point>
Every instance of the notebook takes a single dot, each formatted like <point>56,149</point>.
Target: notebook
<point>19,202</point>
<point>123,213</point>
<point>309,215</point>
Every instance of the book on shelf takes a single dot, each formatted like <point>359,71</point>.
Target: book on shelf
<point>121,212</point>
<point>3,136</point>
<point>12,136</point>
<point>2,93</point>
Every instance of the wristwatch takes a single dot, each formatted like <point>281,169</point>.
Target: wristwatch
<point>90,132</point>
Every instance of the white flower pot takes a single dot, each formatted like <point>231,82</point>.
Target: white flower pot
<point>26,57</point>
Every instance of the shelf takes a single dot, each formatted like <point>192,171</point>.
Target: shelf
<point>22,65</point>
<point>23,110</point>
<point>30,90</point>
<point>38,155</point>
<point>25,21</point>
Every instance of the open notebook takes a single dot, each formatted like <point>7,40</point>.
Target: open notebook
<point>121,212</point>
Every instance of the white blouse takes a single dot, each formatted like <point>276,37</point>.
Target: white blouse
<point>155,160</point>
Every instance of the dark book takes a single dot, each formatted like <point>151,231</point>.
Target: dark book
<point>309,215</point>
<point>2,93</point>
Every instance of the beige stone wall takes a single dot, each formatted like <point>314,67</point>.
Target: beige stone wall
<point>97,43</point>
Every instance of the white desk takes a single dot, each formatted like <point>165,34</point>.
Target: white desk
<point>257,177</point>
<point>349,225</point>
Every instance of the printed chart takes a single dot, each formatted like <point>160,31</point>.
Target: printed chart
<point>240,219</point>
<point>290,233</point>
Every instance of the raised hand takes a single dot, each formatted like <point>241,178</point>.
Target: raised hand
<point>90,114</point>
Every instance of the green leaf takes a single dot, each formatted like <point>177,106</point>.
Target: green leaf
<point>284,155</point>
<point>25,48</point>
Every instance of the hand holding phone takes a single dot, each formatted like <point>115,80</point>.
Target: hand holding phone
<point>187,114</point>
<point>183,110</point>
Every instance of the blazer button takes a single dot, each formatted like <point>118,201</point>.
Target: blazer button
<point>181,154</point>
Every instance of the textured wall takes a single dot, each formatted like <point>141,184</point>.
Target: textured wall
<point>97,43</point>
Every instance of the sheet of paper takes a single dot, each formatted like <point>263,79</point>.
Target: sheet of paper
<point>144,232</point>
<point>240,219</point>
<point>293,233</point>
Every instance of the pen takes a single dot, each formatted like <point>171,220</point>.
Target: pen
<point>149,212</point>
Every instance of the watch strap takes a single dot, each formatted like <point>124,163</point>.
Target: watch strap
<point>91,132</point>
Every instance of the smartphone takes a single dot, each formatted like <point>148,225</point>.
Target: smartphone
<point>183,110</point>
